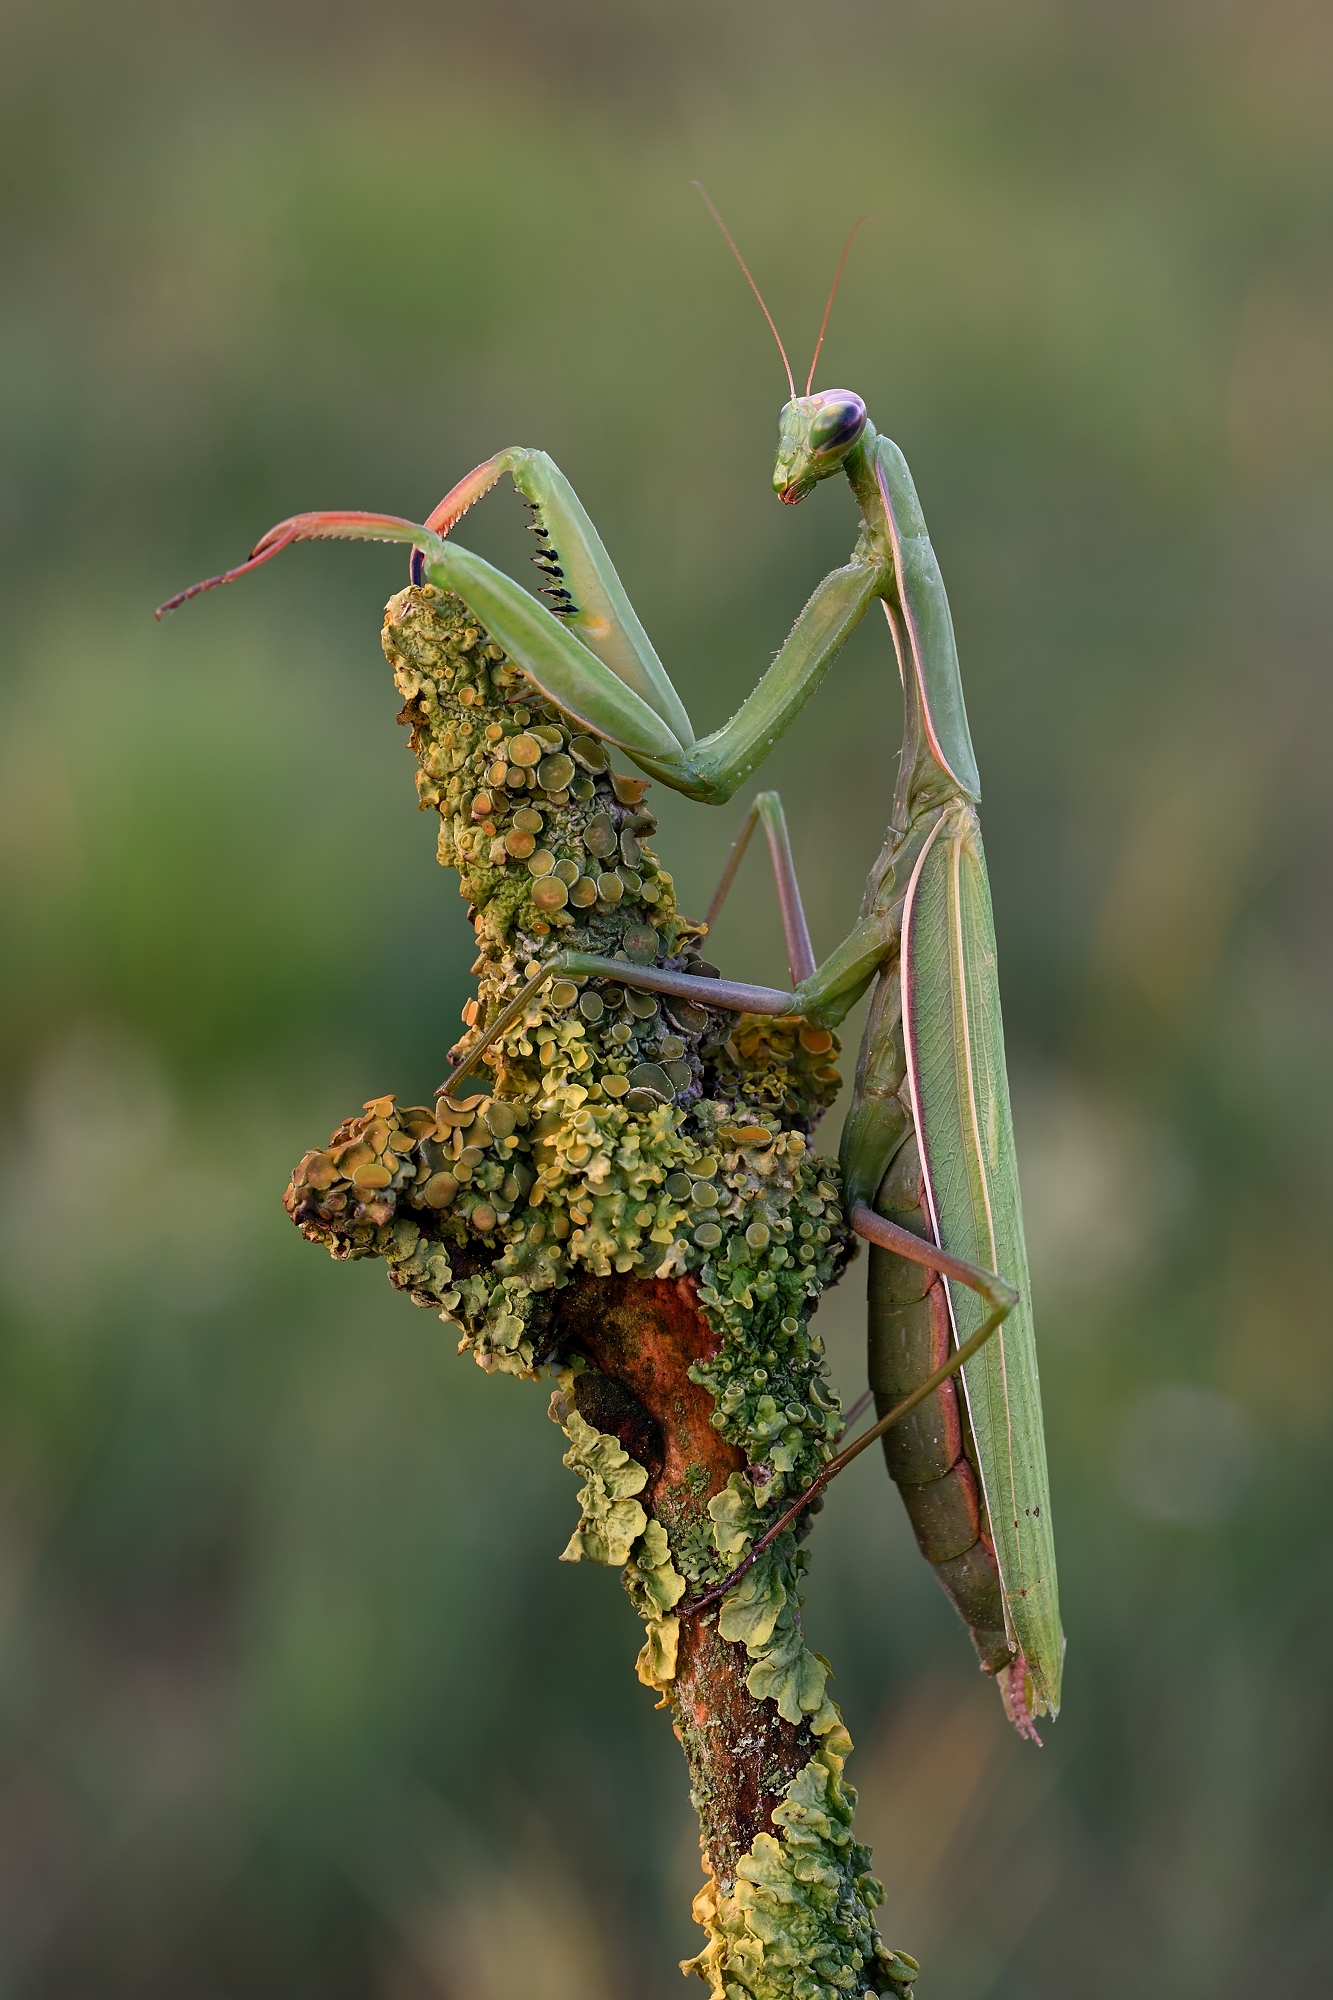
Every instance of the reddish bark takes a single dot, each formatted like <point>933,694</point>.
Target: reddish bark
<point>643,1334</point>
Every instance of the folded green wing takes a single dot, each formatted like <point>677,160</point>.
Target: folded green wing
<point>960,1092</point>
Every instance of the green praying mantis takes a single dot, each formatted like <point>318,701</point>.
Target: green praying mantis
<point>927,1154</point>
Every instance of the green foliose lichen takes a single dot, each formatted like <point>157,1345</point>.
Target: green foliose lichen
<point>797,1924</point>
<point>761,1613</point>
<point>608,1130</point>
<point>655,1587</point>
<point>614,1529</point>
<point>611,1520</point>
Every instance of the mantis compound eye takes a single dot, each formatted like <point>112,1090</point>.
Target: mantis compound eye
<point>838,423</point>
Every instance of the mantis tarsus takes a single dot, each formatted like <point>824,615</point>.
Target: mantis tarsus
<point>927,1153</point>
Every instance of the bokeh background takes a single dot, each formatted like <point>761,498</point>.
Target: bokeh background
<point>294,1697</point>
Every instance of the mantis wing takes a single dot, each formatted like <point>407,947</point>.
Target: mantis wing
<point>960,1100</point>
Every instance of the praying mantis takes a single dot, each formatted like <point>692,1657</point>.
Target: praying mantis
<point>927,1154</point>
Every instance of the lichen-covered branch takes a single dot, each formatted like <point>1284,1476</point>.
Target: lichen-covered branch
<point>626,1199</point>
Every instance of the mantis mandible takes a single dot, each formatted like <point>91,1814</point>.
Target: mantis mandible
<point>927,1153</point>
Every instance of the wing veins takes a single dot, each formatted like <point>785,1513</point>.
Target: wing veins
<point>965,1019</point>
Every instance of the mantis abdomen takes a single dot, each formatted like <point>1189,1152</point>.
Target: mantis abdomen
<point>930,1454</point>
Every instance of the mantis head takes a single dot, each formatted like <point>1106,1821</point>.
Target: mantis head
<point>815,434</point>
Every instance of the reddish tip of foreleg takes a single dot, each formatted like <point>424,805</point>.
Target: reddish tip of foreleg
<point>339,525</point>
<point>276,538</point>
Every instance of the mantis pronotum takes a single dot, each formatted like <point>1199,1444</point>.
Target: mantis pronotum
<point>927,1152</point>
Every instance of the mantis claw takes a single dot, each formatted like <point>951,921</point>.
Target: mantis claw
<point>345,526</point>
<point>471,488</point>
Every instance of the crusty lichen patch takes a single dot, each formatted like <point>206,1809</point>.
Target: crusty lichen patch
<point>610,1131</point>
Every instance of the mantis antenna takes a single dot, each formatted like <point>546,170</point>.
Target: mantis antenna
<point>833,293</point>
<point>708,203</point>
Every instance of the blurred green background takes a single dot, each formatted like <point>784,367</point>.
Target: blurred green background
<point>294,1697</point>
